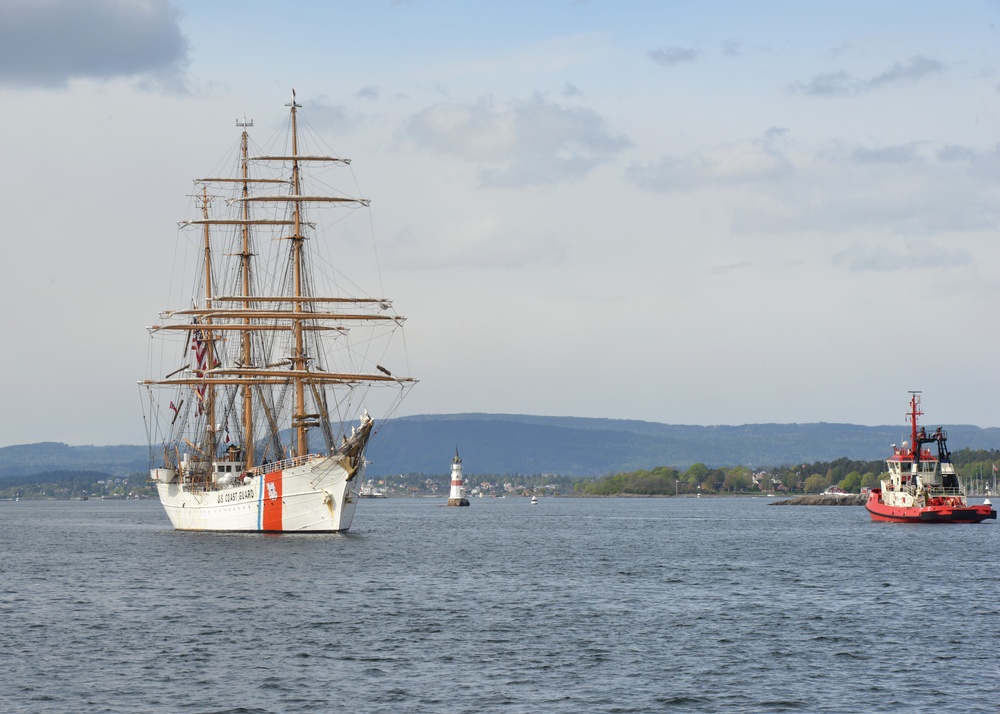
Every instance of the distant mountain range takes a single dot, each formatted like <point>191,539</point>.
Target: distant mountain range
<point>571,446</point>
<point>508,443</point>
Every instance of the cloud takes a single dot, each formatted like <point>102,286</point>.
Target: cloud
<point>841,84</point>
<point>486,241</point>
<point>723,164</point>
<point>730,267</point>
<point>774,187</point>
<point>901,154</point>
<point>532,142</point>
<point>325,116</point>
<point>829,85</point>
<point>47,43</point>
<point>368,93</point>
<point>670,56</point>
<point>733,47</point>
<point>914,70</point>
<point>918,255</point>
<point>914,189</point>
<point>571,90</point>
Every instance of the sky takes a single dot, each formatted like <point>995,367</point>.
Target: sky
<point>711,212</point>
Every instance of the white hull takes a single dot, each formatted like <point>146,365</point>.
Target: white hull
<point>316,495</point>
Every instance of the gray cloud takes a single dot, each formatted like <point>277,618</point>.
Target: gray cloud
<point>731,267</point>
<point>841,84</point>
<point>733,47</point>
<point>983,165</point>
<point>916,189</point>
<point>533,142</point>
<point>915,69</point>
<point>670,56</point>
<point>901,154</point>
<point>368,93</point>
<point>50,42</point>
<point>726,164</point>
<point>571,90</point>
<point>831,84</point>
<point>325,115</point>
<point>918,255</point>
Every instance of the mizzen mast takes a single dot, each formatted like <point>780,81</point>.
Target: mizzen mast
<point>203,342</point>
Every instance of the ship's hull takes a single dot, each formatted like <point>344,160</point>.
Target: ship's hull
<point>317,496</point>
<point>950,513</point>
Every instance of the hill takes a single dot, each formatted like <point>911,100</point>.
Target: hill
<point>505,443</point>
<point>28,459</point>
<point>573,446</point>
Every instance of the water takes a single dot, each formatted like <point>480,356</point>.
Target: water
<point>596,605</point>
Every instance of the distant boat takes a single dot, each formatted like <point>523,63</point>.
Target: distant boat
<point>923,488</point>
<point>265,428</point>
<point>534,500</point>
<point>370,491</point>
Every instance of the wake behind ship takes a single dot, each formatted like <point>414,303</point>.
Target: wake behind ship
<point>260,422</point>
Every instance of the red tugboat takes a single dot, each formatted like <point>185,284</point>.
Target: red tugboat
<point>923,488</point>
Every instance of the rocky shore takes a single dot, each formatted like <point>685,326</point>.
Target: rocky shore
<point>824,499</point>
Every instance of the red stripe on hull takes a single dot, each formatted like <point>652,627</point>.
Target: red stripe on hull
<point>272,520</point>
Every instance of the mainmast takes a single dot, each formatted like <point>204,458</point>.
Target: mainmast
<point>248,436</point>
<point>298,355</point>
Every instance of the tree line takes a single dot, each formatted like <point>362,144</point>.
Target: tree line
<point>850,475</point>
<point>847,474</point>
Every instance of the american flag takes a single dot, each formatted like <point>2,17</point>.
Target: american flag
<point>200,349</point>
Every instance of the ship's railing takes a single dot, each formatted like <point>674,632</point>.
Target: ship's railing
<point>942,491</point>
<point>283,464</point>
<point>932,491</point>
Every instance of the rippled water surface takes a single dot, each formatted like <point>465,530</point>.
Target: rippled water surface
<point>597,605</point>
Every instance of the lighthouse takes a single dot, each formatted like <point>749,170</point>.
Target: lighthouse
<point>457,497</point>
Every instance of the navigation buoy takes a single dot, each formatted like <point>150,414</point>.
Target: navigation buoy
<point>457,495</point>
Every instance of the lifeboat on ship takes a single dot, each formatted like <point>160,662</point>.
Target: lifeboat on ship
<point>923,487</point>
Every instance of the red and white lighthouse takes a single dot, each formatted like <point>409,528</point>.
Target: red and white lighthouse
<point>457,495</point>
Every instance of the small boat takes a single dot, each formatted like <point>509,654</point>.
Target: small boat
<point>922,487</point>
<point>534,500</point>
<point>370,491</point>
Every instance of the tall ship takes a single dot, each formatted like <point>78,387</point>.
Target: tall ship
<point>923,487</point>
<point>260,420</point>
